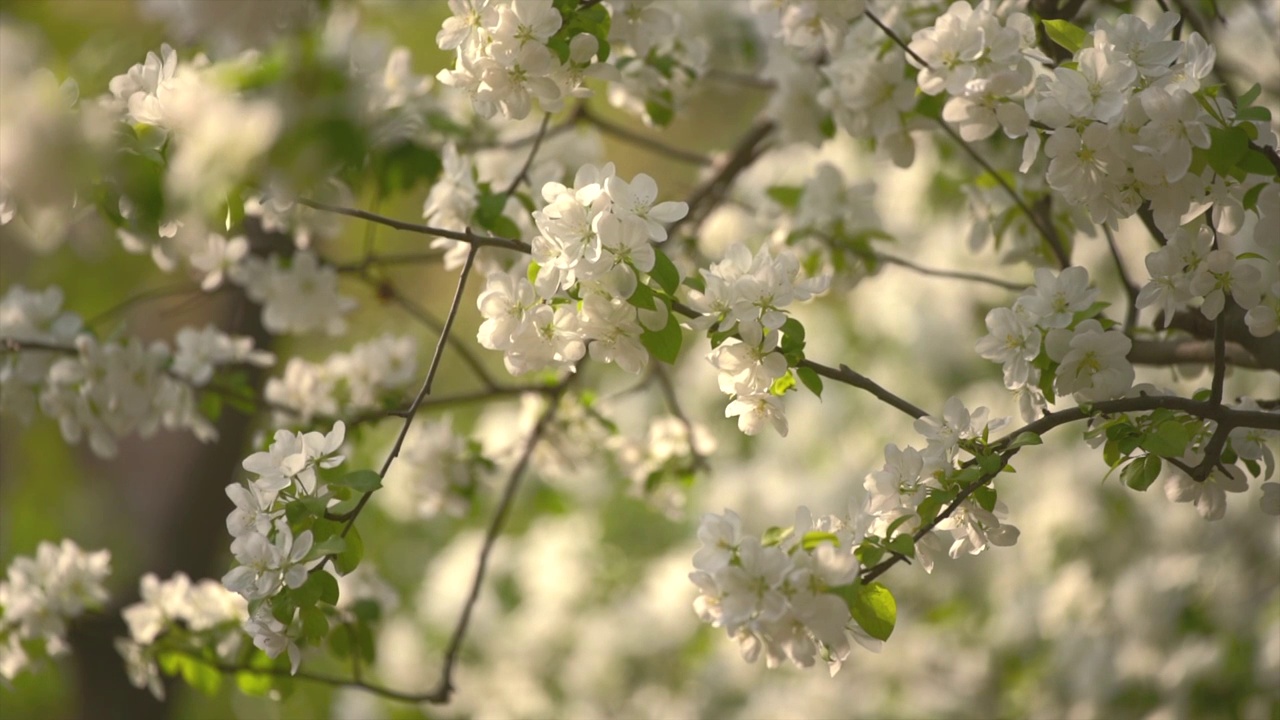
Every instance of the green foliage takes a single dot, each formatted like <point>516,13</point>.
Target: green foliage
<point>349,558</point>
<point>664,344</point>
<point>1066,35</point>
<point>1141,472</point>
<point>364,481</point>
<point>872,607</point>
<point>665,273</point>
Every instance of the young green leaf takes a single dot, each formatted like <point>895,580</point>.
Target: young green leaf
<point>1066,35</point>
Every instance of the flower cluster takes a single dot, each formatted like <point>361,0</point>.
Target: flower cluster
<point>981,62</point>
<point>594,241</point>
<point>748,294</point>
<point>775,594</point>
<point>105,391</point>
<point>503,56</point>
<point>31,316</point>
<point>1192,266</point>
<point>204,612</point>
<point>272,554</point>
<point>910,477</point>
<point>297,296</point>
<point>1050,333</point>
<point>40,594</point>
<point>213,136</point>
<point>361,380</point>
<point>810,28</point>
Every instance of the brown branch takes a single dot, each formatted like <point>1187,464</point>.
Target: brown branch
<point>1227,419</point>
<point>444,689</point>
<point>465,236</point>
<point>1187,351</point>
<point>708,194</point>
<point>952,274</point>
<point>627,135</point>
<point>425,390</point>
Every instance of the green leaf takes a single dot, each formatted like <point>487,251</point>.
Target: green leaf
<point>505,227</point>
<point>775,535</point>
<point>1025,439</point>
<point>664,344</point>
<point>665,273</point>
<point>642,297</point>
<point>792,336</point>
<point>929,508</point>
<point>1249,96</point>
<point>872,607</point>
<point>367,610</point>
<point>1254,114</point>
<point>349,559</point>
<point>319,587</point>
<point>1066,35</point>
<point>868,554</point>
<point>788,196</point>
<point>1141,472</point>
<point>903,544</point>
<point>340,642</point>
<point>532,272</point>
<point>814,538</point>
<point>811,379</point>
<point>1168,439</point>
<point>1228,148</point>
<point>1256,163</point>
<point>986,498</point>
<point>314,624</point>
<point>783,384</point>
<point>253,684</point>
<point>661,109</point>
<point>365,481</point>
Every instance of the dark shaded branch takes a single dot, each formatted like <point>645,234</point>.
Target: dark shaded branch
<point>425,390</point>
<point>952,274</point>
<point>1044,225</point>
<point>466,236</point>
<point>627,135</point>
<point>847,376</point>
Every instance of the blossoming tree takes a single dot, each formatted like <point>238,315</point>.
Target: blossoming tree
<point>1123,180</point>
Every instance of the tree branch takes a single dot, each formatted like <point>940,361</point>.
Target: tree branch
<point>444,689</point>
<point>627,135</point>
<point>952,274</point>
<point>409,414</point>
<point>465,236</point>
<point>1226,418</point>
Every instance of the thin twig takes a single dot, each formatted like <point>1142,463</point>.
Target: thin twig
<point>465,236</point>
<point>1227,419</point>
<point>705,196</point>
<point>425,390</point>
<point>627,135</point>
<point>1130,289</point>
<point>896,40</point>
<point>419,313</point>
<point>953,274</point>
<point>847,376</point>
<point>673,403</point>
<point>445,687</point>
<point>528,161</point>
<point>142,297</point>
<point>1219,359</point>
<point>1043,225</point>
